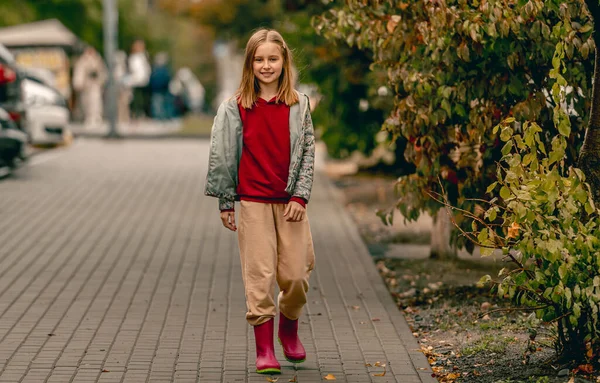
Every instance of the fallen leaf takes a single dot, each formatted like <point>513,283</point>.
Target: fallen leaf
<point>329,377</point>
<point>377,364</point>
<point>356,307</point>
<point>381,374</point>
<point>368,365</point>
<point>375,319</point>
<point>587,368</point>
<point>105,370</point>
<point>293,380</point>
<point>272,380</point>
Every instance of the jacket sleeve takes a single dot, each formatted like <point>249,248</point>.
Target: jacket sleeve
<point>304,182</point>
<point>220,182</point>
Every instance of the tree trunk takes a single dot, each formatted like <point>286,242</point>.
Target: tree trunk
<point>589,157</point>
<point>440,237</point>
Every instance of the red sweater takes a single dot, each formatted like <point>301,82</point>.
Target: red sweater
<point>264,166</point>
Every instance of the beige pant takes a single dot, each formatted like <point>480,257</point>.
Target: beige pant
<point>273,250</point>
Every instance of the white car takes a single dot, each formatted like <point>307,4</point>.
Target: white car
<point>47,112</point>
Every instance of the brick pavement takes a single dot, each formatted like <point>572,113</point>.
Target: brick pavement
<point>114,268</point>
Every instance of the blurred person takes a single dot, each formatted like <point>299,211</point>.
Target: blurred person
<point>89,76</point>
<point>159,87</point>
<point>188,91</point>
<point>124,92</point>
<point>262,154</point>
<point>137,78</point>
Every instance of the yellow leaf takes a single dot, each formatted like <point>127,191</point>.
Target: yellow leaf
<point>272,380</point>
<point>381,374</point>
<point>368,365</point>
<point>293,380</point>
<point>329,377</point>
<point>377,364</point>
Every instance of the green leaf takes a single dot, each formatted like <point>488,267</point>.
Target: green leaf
<point>568,295</point>
<point>446,107</point>
<point>486,251</point>
<point>507,147</point>
<point>521,278</point>
<point>484,280</point>
<point>491,187</point>
<point>504,193</point>
<point>564,128</point>
<point>577,310</point>
<point>506,133</point>
<point>460,110</point>
<point>482,236</point>
<point>562,271</point>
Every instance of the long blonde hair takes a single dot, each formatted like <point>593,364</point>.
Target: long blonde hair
<point>247,93</point>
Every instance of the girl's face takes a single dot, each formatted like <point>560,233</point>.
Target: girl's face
<point>268,63</point>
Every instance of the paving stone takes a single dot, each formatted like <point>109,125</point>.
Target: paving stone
<point>114,267</point>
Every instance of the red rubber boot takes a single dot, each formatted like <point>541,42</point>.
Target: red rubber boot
<point>293,350</point>
<point>266,363</point>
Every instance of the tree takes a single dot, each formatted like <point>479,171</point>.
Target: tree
<point>457,68</point>
<point>589,156</point>
<point>341,73</point>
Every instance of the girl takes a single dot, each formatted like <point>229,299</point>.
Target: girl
<point>262,154</point>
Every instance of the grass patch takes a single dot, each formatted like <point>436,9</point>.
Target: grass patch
<point>196,125</point>
<point>488,343</point>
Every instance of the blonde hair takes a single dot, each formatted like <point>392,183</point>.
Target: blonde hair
<point>247,93</point>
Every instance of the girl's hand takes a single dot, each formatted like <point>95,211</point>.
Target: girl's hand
<point>294,212</point>
<point>228,219</point>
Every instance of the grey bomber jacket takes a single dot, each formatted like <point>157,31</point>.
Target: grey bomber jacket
<point>226,150</point>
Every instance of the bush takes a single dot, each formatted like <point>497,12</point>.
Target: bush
<point>546,223</point>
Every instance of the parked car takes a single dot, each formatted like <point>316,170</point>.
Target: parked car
<point>13,144</point>
<point>11,92</point>
<point>47,112</point>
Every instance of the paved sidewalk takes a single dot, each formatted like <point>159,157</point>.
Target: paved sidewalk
<point>114,268</point>
<point>146,128</point>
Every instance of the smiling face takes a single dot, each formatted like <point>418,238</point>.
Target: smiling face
<point>268,64</point>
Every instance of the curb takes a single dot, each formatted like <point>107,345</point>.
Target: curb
<point>419,361</point>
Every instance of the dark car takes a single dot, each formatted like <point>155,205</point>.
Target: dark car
<point>11,91</point>
<point>13,143</point>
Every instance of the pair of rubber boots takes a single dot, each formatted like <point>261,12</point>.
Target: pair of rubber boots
<point>294,352</point>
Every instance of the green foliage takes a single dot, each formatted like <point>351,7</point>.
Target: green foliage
<point>234,18</point>
<point>83,17</point>
<point>341,73</point>
<point>546,222</point>
<point>457,67</point>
